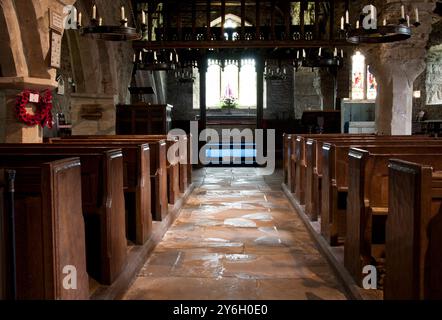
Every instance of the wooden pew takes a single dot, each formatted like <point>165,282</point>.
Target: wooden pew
<point>287,141</point>
<point>185,159</point>
<point>173,172</point>
<point>334,180</point>
<point>158,165</point>
<point>313,164</point>
<point>367,204</point>
<point>49,227</point>
<point>137,184</point>
<point>413,232</point>
<point>4,273</point>
<point>102,200</point>
<point>298,165</point>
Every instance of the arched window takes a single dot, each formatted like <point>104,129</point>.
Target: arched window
<point>363,82</point>
<point>237,81</point>
<point>238,78</point>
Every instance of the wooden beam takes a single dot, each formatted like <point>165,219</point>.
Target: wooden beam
<point>208,20</point>
<point>259,90</point>
<point>287,20</point>
<point>223,18</point>
<point>332,20</point>
<point>193,19</point>
<point>317,31</point>
<point>302,18</point>
<point>272,19</point>
<point>243,19</point>
<point>241,44</point>
<point>258,19</point>
<point>179,25</point>
<point>150,8</point>
<point>203,112</point>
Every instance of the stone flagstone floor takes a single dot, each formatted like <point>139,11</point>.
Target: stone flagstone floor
<point>237,238</point>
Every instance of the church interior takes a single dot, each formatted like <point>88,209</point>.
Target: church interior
<point>220,150</point>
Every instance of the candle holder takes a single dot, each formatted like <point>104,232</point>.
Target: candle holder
<point>121,32</point>
<point>386,33</point>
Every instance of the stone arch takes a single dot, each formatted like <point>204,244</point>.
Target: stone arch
<point>12,58</point>
<point>34,33</point>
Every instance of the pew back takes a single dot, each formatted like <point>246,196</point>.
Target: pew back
<point>49,228</point>
<point>3,273</point>
<point>368,200</point>
<point>413,232</point>
<point>102,201</point>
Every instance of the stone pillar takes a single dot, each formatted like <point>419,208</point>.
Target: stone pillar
<point>25,45</point>
<point>394,104</point>
<point>396,66</point>
<point>11,130</point>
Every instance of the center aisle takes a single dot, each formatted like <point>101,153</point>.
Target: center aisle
<point>237,238</point>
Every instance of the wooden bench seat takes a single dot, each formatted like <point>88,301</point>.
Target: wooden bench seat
<point>158,167</point>
<point>413,232</point>
<point>137,185</point>
<point>296,157</point>
<point>49,228</point>
<point>334,180</point>
<point>185,145</point>
<point>102,200</point>
<point>313,163</point>
<point>368,194</point>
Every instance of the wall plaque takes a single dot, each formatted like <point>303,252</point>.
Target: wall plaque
<point>56,21</point>
<point>55,50</point>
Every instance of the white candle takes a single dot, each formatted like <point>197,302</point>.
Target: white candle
<point>336,52</point>
<point>303,53</point>
<point>402,11</point>
<point>155,56</point>
<point>176,57</point>
<point>171,57</point>
<point>141,56</point>
<point>79,19</point>
<point>347,17</point>
<point>297,54</point>
<point>143,17</point>
<point>385,22</point>
<point>94,12</point>
<point>100,21</point>
<point>123,16</point>
<point>135,57</point>
<point>342,23</point>
<point>417,14</point>
<point>320,51</point>
<point>408,20</point>
<point>357,24</point>
<point>342,53</point>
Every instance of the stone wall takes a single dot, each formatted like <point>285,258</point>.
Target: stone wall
<point>280,97</point>
<point>307,91</point>
<point>429,82</point>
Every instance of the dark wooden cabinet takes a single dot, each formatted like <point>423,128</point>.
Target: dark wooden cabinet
<point>144,119</point>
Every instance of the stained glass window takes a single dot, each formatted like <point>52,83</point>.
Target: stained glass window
<point>372,85</point>
<point>363,82</point>
<point>358,77</point>
<point>232,82</point>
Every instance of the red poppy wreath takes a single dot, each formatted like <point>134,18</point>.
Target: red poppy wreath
<point>42,115</point>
